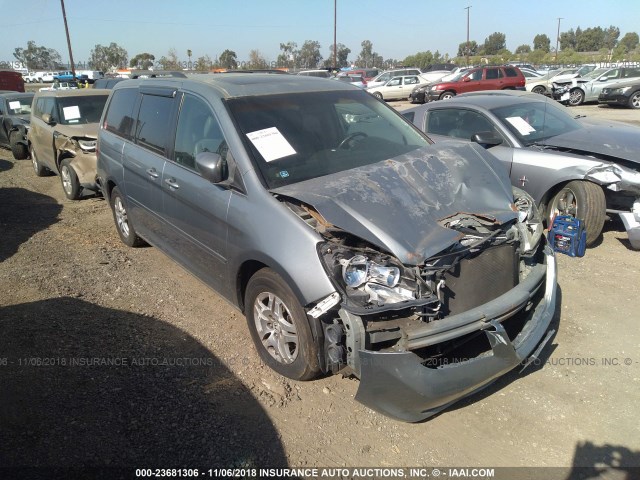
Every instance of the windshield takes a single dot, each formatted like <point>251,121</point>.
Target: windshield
<point>296,137</point>
<point>19,106</point>
<point>595,73</point>
<point>78,110</point>
<point>536,122</point>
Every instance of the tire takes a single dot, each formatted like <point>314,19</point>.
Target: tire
<point>447,95</point>
<point>378,95</point>
<point>41,171</point>
<point>583,200</point>
<point>19,150</point>
<point>576,97</point>
<point>69,179</point>
<point>125,229</point>
<point>538,89</point>
<point>269,298</point>
<point>634,100</point>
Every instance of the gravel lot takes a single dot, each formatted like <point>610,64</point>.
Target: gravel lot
<point>111,356</point>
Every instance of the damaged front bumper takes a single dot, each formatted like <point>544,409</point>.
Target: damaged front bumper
<point>400,385</point>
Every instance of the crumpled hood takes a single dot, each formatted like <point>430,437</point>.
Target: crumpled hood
<point>396,204</point>
<point>84,130</point>
<point>623,141</point>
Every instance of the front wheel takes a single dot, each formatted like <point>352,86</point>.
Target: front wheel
<point>634,101</point>
<point>447,95</point>
<point>69,179</point>
<point>279,327</point>
<point>583,200</point>
<point>576,97</point>
<point>538,89</point>
<point>19,150</point>
<point>378,95</point>
<point>125,228</point>
<point>40,170</point>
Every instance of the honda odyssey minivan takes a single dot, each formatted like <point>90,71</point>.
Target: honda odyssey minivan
<point>349,241</point>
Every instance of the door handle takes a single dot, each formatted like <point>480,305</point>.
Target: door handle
<point>172,183</point>
<point>153,173</point>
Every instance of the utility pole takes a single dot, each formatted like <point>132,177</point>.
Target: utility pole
<point>558,39</point>
<point>468,48</point>
<point>66,29</point>
<point>335,23</point>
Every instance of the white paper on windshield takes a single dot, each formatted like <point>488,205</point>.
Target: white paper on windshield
<point>271,144</point>
<point>14,106</point>
<point>521,125</point>
<point>71,113</point>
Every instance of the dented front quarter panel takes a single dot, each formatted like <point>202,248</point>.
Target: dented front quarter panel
<point>83,162</point>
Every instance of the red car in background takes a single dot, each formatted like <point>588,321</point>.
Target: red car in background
<point>476,79</point>
<point>366,73</point>
<point>11,80</point>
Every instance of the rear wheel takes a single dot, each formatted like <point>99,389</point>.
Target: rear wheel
<point>576,97</point>
<point>279,327</point>
<point>378,95</point>
<point>125,228</point>
<point>69,179</point>
<point>538,89</point>
<point>634,101</point>
<point>19,150</point>
<point>583,200</point>
<point>447,95</point>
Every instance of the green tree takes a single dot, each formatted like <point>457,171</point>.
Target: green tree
<point>523,49</point>
<point>257,60</point>
<point>568,39</point>
<point>473,48</point>
<point>494,43</point>
<point>170,62</point>
<point>289,55</point>
<point>590,40</point>
<point>309,55</point>
<point>420,59</point>
<point>342,54</point>
<point>542,42</point>
<point>142,61</point>
<point>203,64</point>
<point>36,57</point>
<point>630,41</point>
<point>228,59</point>
<point>367,57</point>
<point>611,36</point>
<point>108,58</point>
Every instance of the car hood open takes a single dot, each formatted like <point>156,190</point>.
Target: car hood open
<point>397,204</point>
<point>621,141</point>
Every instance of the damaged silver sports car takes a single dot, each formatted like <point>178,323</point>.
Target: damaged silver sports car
<point>350,242</point>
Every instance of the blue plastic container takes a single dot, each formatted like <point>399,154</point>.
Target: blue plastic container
<point>567,235</point>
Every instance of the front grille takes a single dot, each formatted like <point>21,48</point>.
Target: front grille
<point>480,278</point>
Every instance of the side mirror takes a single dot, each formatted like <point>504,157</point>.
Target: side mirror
<point>211,166</point>
<point>603,79</point>
<point>486,139</point>
<point>48,119</point>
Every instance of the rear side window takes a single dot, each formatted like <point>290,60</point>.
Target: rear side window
<point>119,114</point>
<point>493,73</point>
<point>511,72</point>
<point>152,128</point>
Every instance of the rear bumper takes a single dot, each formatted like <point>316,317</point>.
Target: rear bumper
<point>399,385</point>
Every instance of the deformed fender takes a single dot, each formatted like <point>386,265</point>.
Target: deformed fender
<point>83,163</point>
<point>615,177</point>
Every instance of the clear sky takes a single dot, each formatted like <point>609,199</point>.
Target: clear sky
<point>396,28</point>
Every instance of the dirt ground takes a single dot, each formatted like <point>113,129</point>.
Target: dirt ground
<point>111,356</point>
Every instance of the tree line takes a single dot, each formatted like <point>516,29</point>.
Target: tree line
<point>573,45</point>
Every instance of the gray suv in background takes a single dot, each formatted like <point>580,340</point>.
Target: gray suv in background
<point>349,241</point>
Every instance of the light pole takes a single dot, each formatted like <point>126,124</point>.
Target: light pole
<point>66,29</point>
<point>335,23</point>
<point>558,38</point>
<point>467,49</point>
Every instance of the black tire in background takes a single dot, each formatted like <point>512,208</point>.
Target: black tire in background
<point>587,203</point>
<point>538,89</point>
<point>634,100</point>
<point>274,316</point>
<point>125,229</point>
<point>19,150</point>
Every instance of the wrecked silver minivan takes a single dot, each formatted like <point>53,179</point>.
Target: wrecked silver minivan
<point>349,241</point>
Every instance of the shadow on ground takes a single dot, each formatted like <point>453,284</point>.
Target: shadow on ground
<point>87,386</point>
<point>23,213</point>
<point>591,461</point>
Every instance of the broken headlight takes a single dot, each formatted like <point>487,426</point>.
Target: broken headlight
<point>86,144</point>
<point>529,224</point>
<point>359,269</point>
